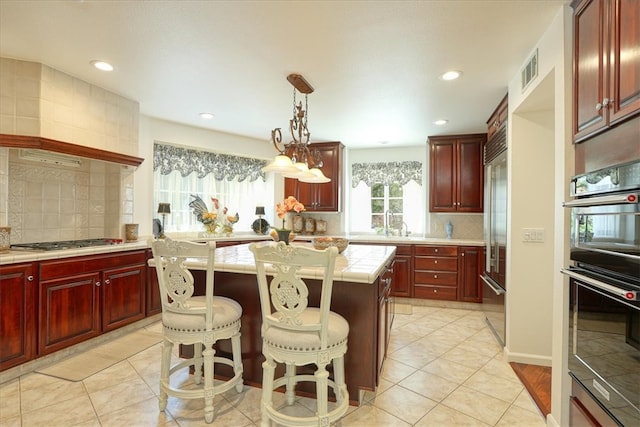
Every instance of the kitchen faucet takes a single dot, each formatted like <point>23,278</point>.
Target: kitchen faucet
<point>406,229</point>
<point>387,220</point>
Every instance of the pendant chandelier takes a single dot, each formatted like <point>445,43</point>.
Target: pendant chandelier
<point>297,158</point>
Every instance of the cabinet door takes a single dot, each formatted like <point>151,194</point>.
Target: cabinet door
<point>69,311</point>
<point>443,183</point>
<point>624,77</point>
<point>470,263</point>
<point>17,315</point>
<point>589,69</point>
<point>401,282</point>
<point>123,296</point>
<point>456,173</point>
<point>321,197</point>
<point>470,197</point>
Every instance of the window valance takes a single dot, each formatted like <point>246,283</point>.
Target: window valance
<point>386,173</point>
<point>168,158</point>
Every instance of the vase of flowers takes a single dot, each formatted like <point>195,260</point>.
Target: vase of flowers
<point>214,221</point>
<point>290,204</point>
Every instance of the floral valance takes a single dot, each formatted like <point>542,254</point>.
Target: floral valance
<point>168,158</point>
<point>386,173</point>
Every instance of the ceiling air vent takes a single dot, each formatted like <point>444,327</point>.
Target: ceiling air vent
<point>530,71</point>
<point>50,157</point>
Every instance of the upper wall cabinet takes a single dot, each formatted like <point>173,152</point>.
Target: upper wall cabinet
<point>321,197</point>
<point>498,118</point>
<point>456,173</point>
<point>606,64</point>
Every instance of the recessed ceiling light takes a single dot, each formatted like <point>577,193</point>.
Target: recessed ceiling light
<point>207,116</point>
<point>451,75</point>
<point>441,122</point>
<point>101,65</point>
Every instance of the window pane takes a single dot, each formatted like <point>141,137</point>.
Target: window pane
<point>377,190</point>
<point>377,206</point>
<point>377,221</point>
<point>395,190</point>
<point>395,205</point>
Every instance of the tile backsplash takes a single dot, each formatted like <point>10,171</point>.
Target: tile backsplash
<point>49,202</point>
<point>465,226</point>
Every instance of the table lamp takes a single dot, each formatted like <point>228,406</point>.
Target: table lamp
<point>260,225</point>
<point>163,209</point>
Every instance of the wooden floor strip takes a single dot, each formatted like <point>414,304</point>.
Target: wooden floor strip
<point>537,381</point>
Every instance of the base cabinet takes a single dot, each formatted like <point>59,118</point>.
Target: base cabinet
<point>402,282</point>
<point>80,298</point>
<point>436,272</point>
<point>386,312</point>
<point>470,263</point>
<point>17,314</point>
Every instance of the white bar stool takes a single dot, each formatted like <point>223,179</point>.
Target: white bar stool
<point>197,320</point>
<point>296,335</point>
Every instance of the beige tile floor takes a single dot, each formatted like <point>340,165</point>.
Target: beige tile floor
<point>444,369</point>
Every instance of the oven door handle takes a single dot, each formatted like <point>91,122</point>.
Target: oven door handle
<point>629,295</point>
<point>617,199</point>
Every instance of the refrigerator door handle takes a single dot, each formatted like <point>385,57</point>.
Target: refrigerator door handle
<point>488,218</point>
<point>498,291</point>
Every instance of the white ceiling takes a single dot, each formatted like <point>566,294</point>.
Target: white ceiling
<point>374,64</point>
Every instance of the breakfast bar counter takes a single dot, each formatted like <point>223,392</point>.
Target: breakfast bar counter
<point>355,296</point>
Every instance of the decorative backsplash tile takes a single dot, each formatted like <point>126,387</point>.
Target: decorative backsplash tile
<point>465,226</point>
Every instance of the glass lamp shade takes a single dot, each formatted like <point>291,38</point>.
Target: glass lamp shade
<point>281,164</point>
<point>164,208</point>
<point>314,175</point>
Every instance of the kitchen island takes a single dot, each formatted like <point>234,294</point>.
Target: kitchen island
<point>358,283</point>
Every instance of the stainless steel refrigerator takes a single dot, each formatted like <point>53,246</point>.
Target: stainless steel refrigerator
<point>494,290</point>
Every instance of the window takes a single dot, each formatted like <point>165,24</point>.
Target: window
<point>237,182</point>
<point>393,187</point>
<point>386,198</point>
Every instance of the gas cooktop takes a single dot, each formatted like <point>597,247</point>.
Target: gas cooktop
<point>65,244</point>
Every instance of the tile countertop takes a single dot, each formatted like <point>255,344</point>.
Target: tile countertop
<point>16,256</point>
<point>358,263</point>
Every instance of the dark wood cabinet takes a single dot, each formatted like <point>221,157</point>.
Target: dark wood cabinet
<point>498,117</point>
<point>154,305</point>
<point>386,312</point>
<point>606,77</point>
<point>123,296</point>
<point>321,197</point>
<point>456,173</point>
<point>436,272</point>
<point>470,262</point>
<point>17,314</point>
<point>83,297</point>
<point>402,271</point>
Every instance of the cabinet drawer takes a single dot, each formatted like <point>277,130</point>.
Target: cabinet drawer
<point>403,249</point>
<point>435,278</point>
<point>436,292</point>
<point>436,263</point>
<point>437,250</point>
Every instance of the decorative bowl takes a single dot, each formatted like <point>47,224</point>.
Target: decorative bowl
<point>325,242</point>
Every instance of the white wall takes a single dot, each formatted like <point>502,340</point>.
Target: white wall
<point>156,130</point>
<point>540,138</point>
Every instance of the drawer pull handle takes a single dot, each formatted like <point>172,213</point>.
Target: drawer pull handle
<point>435,291</point>
<point>436,261</point>
<point>435,276</point>
<point>98,284</point>
<point>106,282</point>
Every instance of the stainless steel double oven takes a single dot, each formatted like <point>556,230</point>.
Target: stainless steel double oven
<point>604,331</point>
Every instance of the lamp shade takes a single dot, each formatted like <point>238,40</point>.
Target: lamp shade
<point>259,210</point>
<point>164,208</point>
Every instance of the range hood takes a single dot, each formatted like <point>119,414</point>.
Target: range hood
<point>63,153</point>
<point>49,157</point>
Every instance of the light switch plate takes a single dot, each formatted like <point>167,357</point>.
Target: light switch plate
<point>533,235</point>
